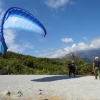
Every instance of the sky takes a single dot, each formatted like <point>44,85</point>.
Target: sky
<point>71,25</point>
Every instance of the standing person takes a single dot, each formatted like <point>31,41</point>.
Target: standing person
<point>73,64</point>
<point>71,68</point>
<point>96,67</point>
<point>8,70</point>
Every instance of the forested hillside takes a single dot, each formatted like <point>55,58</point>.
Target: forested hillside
<point>25,64</point>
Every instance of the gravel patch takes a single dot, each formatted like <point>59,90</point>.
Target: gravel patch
<point>49,87</point>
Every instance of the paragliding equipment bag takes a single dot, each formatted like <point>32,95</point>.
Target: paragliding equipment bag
<point>97,63</point>
<point>70,65</point>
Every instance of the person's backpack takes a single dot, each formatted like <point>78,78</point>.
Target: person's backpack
<point>70,65</point>
<point>97,63</point>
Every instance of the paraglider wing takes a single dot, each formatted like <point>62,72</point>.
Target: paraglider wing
<point>15,17</point>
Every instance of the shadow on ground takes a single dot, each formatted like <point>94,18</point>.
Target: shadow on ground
<point>55,78</point>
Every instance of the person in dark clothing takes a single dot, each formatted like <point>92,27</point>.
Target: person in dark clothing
<point>96,67</point>
<point>8,70</point>
<point>71,68</point>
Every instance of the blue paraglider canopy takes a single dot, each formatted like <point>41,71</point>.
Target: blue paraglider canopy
<point>15,17</point>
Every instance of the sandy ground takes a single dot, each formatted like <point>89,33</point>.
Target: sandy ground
<point>49,87</point>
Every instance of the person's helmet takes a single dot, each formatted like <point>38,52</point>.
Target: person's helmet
<point>96,58</point>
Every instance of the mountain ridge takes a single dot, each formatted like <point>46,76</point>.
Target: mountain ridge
<point>86,55</point>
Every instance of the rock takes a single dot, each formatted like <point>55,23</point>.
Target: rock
<point>19,93</point>
<point>7,93</point>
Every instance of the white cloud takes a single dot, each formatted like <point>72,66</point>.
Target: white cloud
<point>76,47</point>
<point>67,39</point>
<point>10,36</point>
<point>71,2</point>
<point>85,38</point>
<point>58,53</point>
<point>56,3</point>
<point>94,44</point>
<point>27,45</point>
<point>36,51</point>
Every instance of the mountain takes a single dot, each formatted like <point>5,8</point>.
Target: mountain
<point>86,55</point>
